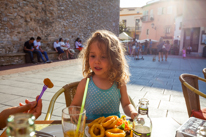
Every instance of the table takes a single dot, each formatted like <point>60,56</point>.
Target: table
<point>161,127</point>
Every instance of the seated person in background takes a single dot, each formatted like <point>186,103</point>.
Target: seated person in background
<point>64,47</point>
<point>78,45</point>
<point>80,42</point>
<point>28,108</point>
<point>58,49</point>
<point>37,46</point>
<point>70,50</point>
<point>29,48</point>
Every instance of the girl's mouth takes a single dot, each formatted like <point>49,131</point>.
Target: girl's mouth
<point>97,68</point>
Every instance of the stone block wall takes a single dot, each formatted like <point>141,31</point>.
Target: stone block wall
<point>52,19</point>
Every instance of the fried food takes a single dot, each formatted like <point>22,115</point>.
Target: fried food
<point>101,132</point>
<point>113,124</point>
<point>107,127</point>
<point>48,83</point>
<point>98,121</point>
<point>115,132</point>
<point>107,121</point>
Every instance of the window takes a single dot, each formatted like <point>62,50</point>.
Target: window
<point>131,9</point>
<point>124,22</point>
<point>151,14</point>
<point>137,21</point>
<point>145,13</point>
<point>169,10</point>
<point>167,30</point>
<point>147,32</point>
<point>163,10</point>
<point>160,11</point>
<point>180,26</point>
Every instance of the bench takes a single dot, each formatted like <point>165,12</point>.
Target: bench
<point>22,58</point>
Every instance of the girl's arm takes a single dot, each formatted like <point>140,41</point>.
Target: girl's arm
<point>128,108</point>
<point>77,101</point>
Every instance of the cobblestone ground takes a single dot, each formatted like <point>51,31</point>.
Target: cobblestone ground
<point>156,81</point>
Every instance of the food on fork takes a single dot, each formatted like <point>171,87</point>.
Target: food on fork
<point>48,83</point>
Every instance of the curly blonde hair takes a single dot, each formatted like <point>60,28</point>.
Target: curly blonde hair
<point>119,71</point>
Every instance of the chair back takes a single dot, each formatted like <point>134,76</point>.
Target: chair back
<point>191,91</point>
<point>191,98</point>
<point>204,72</point>
<point>70,91</point>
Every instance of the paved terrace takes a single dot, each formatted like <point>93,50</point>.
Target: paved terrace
<point>156,81</point>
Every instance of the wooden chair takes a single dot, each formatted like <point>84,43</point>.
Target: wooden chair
<point>69,92</point>
<point>191,91</point>
<point>204,72</point>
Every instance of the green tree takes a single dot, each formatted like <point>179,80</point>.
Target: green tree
<point>123,28</point>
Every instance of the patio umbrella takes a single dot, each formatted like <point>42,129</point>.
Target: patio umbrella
<point>124,35</point>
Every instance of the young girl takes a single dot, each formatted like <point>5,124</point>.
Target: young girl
<point>184,52</point>
<point>105,64</point>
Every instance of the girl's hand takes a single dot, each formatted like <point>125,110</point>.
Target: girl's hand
<point>133,114</point>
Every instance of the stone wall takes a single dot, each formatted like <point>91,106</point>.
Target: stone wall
<point>52,19</point>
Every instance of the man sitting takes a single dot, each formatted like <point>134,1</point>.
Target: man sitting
<point>29,48</point>
<point>37,46</point>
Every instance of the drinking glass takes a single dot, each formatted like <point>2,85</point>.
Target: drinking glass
<point>70,117</point>
<point>21,125</point>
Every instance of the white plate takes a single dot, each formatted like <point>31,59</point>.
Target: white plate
<point>87,131</point>
<point>54,130</point>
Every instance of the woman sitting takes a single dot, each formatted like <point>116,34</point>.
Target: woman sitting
<point>58,49</point>
<point>78,45</point>
<point>69,49</point>
<point>64,47</point>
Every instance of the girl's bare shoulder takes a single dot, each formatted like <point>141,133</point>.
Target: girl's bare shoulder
<point>83,82</point>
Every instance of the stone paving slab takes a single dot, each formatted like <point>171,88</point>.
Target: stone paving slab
<point>179,116</point>
<point>173,106</point>
<point>157,113</point>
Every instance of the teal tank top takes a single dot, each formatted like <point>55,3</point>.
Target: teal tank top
<point>101,102</point>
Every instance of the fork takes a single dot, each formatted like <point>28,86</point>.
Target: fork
<point>43,134</point>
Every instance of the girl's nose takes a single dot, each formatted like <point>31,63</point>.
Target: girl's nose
<point>97,60</point>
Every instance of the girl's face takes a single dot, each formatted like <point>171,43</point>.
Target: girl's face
<point>98,60</point>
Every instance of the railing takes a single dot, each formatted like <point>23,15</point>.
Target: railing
<point>147,18</point>
<point>133,28</point>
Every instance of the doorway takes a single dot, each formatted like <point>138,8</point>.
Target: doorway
<point>191,38</point>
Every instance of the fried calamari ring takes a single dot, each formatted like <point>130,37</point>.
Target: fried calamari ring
<point>115,132</point>
<point>100,127</point>
<point>113,124</point>
<point>98,120</point>
<point>108,121</point>
<point>96,131</point>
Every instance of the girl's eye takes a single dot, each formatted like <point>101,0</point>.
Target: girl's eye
<point>104,57</point>
<point>92,56</point>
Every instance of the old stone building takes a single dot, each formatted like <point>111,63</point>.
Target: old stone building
<point>52,19</point>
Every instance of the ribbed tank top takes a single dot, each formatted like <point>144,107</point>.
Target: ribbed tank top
<point>101,102</point>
